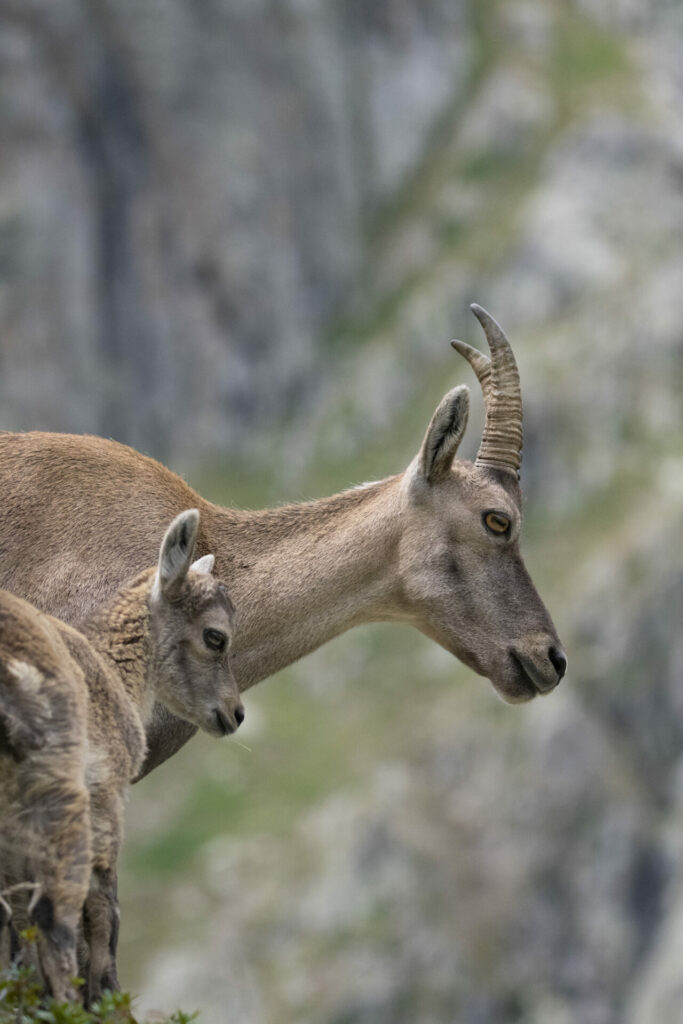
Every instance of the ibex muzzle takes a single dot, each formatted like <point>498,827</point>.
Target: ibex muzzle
<point>464,580</point>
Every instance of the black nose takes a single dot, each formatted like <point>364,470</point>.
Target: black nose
<point>559,661</point>
<point>239,714</point>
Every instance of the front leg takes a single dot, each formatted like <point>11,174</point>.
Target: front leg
<point>101,909</point>
<point>101,918</point>
<point>57,923</point>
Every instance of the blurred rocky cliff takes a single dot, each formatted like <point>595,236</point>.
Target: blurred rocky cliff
<point>186,191</point>
<point>239,234</point>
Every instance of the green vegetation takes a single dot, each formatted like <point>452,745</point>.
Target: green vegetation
<point>22,1002</point>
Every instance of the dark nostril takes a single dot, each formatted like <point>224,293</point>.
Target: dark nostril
<point>223,722</point>
<point>559,661</point>
<point>239,714</point>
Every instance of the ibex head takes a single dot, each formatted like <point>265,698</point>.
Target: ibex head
<point>191,625</point>
<point>462,575</point>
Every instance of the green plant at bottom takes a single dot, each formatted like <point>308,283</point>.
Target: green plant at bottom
<point>22,1002</point>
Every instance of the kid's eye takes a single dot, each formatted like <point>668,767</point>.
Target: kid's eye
<point>215,639</point>
<point>496,522</point>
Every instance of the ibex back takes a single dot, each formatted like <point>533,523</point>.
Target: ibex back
<point>436,546</point>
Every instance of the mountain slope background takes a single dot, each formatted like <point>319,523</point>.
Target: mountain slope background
<point>239,236</point>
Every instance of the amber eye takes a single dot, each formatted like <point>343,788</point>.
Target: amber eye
<point>215,639</point>
<point>496,522</point>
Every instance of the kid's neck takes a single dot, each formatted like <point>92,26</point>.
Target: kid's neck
<point>119,632</point>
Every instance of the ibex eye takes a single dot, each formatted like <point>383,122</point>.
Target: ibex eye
<point>215,639</point>
<point>496,522</point>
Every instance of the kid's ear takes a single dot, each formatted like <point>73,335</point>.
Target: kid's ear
<point>204,564</point>
<point>175,555</point>
<point>444,434</point>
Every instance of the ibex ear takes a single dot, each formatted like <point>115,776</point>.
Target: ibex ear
<point>204,564</point>
<point>176,552</point>
<point>444,434</point>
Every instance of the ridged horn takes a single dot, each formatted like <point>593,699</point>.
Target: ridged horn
<point>501,443</point>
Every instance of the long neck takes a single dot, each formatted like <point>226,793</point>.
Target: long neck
<point>119,632</point>
<point>302,574</point>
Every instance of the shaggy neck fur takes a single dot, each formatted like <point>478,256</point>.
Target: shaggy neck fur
<point>120,633</point>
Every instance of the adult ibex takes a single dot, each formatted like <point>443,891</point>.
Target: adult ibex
<point>73,707</point>
<point>436,546</point>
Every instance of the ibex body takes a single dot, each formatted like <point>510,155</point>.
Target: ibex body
<point>436,546</point>
<point>73,709</point>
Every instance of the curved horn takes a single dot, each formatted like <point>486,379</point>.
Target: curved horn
<point>501,443</point>
<point>480,363</point>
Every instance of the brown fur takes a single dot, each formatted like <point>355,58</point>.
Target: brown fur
<point>73,707</point>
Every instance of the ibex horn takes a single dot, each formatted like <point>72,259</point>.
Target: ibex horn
<point>501,443</point>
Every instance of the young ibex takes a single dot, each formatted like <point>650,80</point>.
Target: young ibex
<point>73,708</point>
<point>436,546</point>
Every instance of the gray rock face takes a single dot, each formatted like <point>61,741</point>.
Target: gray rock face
<point>184,203</point>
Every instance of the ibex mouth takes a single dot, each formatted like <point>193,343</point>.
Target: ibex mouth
<point>531,674</point>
